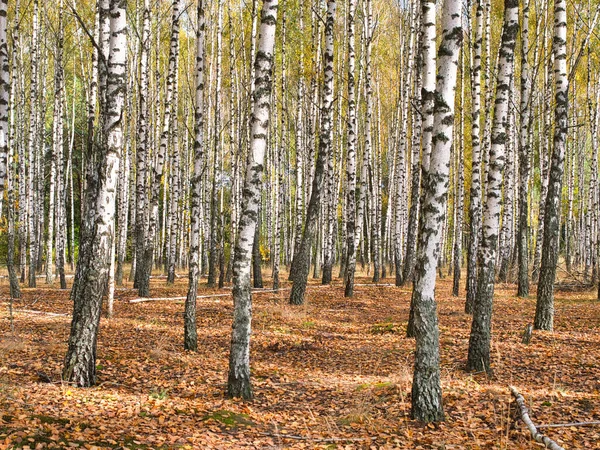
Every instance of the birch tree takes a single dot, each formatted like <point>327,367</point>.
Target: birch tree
<point>475,192</point>
<point>4,93</point>
<point>238,382</point>
<point>428,87</point>
<point>190,335</point>
<point>80,361</point>
<point>524,149</point>
<point>32,147</point>
<point>426,389</point>
<point>351,154</point>
<point>302,258</point>
<point>142,146</point>
<point>157,172</point>
<point>479,342</point>
<point>544,312</point>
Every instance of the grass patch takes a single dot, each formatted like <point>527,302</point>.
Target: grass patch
<point>229,418</point>
<point>51,420</point>
<point>386,328</point>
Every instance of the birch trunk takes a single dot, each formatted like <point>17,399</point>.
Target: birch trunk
<point>480,339</point>
<point>12,145</point>
<point>428,87</point>
<point>238,383</point>
<point>524,149</point>
<point>142,148</point>
<point>80,361</point>
<point>426,389</point>
<point>302,258</point>
<point>544,313</point>
<point>157,173</point>
<point>190,340</point>
<point>460,183</point>
<point>4,95</point>
<point>33,125</point>
<point>351,155</point>
<point>475,192</point>
<point>57,143</point>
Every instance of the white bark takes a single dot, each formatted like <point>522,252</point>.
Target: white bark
<point>426,389</point>
<point>479,343</point>
<point>238,384</point>
<point>544,314</point>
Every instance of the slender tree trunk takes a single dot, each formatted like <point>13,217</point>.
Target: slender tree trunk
<point>33,125</point>
<point>279,155</point>
<point>351,155</point>
<point>190,341</point>
<point>142,148</point>
<point>506,230</point>
<point>156,178</point>
<point>8,141</point>
<point>302,258</point>
<point>4,95</point>
<point>426,389</point>
<point>481,328</point>
<point>460,183</point>
<point>475,192</point>
<point>238,382</point>
<point>524,149</point>
<point>428,70</point>
<point>256,257</point>
<point>544,313</point>
<point>80,361</point>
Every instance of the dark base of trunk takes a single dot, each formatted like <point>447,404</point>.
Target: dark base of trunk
<point>426,396</point>
<point>190,334</point>
<point>61,276</point>
<point>276,279</point>
<point>32,280</point>
<point>456,280</point>
<point>145,271</point>
<point>15,289</point>
<point>239,388</point>
<point>212,270</point>
<point>327,273</point>
<point>410,326</point>
<point>544,310</point>
<point>399,275</point>
<point>376,273</point>
<point>221,268</point>
<point>119,274</point>
<point>343,262</point>
<point>523,287</point>
<point>297,294</point>
<point>349,290</point>
<point>131,276</point>
<point>171,274</point>
<point>302,267</point>
<point>426,404</point>
<point>481,327</point>
<point>406,273</point>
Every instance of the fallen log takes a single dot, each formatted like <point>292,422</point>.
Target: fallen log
<point>535,434</point>
<point>32,311</point>
<point>572,424</point>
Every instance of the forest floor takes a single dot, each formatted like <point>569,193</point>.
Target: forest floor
<point>334,373</point>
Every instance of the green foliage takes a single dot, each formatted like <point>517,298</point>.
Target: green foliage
<point>229,418</point>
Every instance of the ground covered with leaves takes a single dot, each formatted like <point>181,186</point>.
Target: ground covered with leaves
<point>335,373</point>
